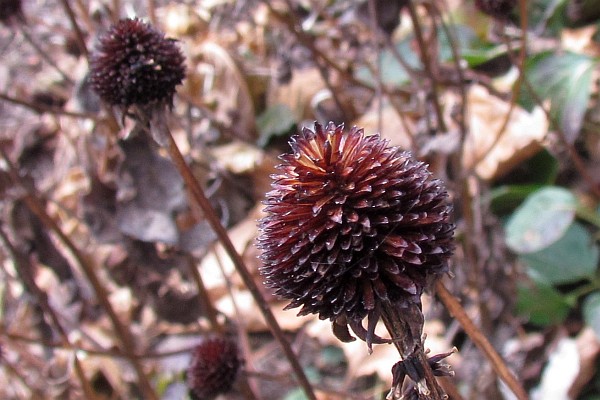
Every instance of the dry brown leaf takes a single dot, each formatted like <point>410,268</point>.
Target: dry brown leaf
<point>392,127</point>
<point>299,94</point>
<point>492,155</point>
<point>224,85</point>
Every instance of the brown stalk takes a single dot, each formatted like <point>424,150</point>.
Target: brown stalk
<point>42,53</point>
<point>482,343</point>
<point>205,301</point>
<point>123,333</point>
<point>306,40</point>
<point>38,108</point>
<point>76,28</point>
<point>520,62</point>
<point>214,221</point>
<point>427,65</point>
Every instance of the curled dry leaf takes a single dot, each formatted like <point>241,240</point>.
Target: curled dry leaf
<point>215,76</point>
<point>391,127</point>
<point>492,153</point>
<point>306,85</point>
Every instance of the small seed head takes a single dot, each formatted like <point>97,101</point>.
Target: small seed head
<point>11,11</point>
<point>136,64</point>
<point>214,368</point>
<point>500,9</point>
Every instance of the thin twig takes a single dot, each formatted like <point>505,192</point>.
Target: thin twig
<point>322,68</point>
<point>152,12</point>
<point>427,66</point>
<point>93,352</point>
<point>520,62</point>
<point>479,339</point>
<point>456,58</point>
<point>38,108</point>
<point>214,221</point>
<point>78,33</point>
<point>205,301</point>
<point>42,53</point>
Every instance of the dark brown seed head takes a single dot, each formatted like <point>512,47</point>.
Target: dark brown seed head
<point>11,11</point>
<point>136,64</point>
<point>496,8</point>
<point>352,224</point>
<point>213,369</point>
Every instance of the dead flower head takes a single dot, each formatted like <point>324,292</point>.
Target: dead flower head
<point>136,64</point>
<point>353,224</point>
<point>214,368</point>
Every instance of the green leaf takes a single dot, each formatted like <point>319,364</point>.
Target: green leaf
<point>506,198</point>
<point>541,304</point>
<point>591,312</point>
<point>392,71</point>
<point>566,80</point>
<point>541,220</point>
<point>274,121</point>
<point>572,258</point>
<point>296,394</point>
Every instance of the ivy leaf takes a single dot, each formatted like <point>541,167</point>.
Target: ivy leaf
<point>541,220</point>
<point>541,304</point>
<point>566,80</point>
<point>591,312</point>
<point>572,258</point>
<point>274,121</point>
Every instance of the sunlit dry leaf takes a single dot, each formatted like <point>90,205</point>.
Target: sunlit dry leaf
<point>580,40</point>
<point>298,95</point>
<point>392,127</point>
<point>225,87</point>
<point>560,372</point>
<point>588,345</point>
<point>492,153</point>
<point>183,20</point>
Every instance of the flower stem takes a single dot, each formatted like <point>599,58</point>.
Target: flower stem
<point>214,221</point>
<point>480,340</point>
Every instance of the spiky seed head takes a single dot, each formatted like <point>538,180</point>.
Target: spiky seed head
<point>352,224</point>
<point>214,368</point>
<point>136,64</point>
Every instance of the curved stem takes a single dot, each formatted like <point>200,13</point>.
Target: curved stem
<point>480,340</point>
<point>214,221</point>
<point>427,66</point>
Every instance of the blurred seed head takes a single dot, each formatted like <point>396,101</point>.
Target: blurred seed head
<point>11,11</point>
<point>214,368</point>
<point>136,64</point>
<point>496,8</point>
<point>353,224</point>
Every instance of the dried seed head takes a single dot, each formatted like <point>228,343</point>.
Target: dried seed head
<point>496,8</point>
<point>351,225</point>
<point>11,11</point>
<point>136,64</point>
<point>213,369</point>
